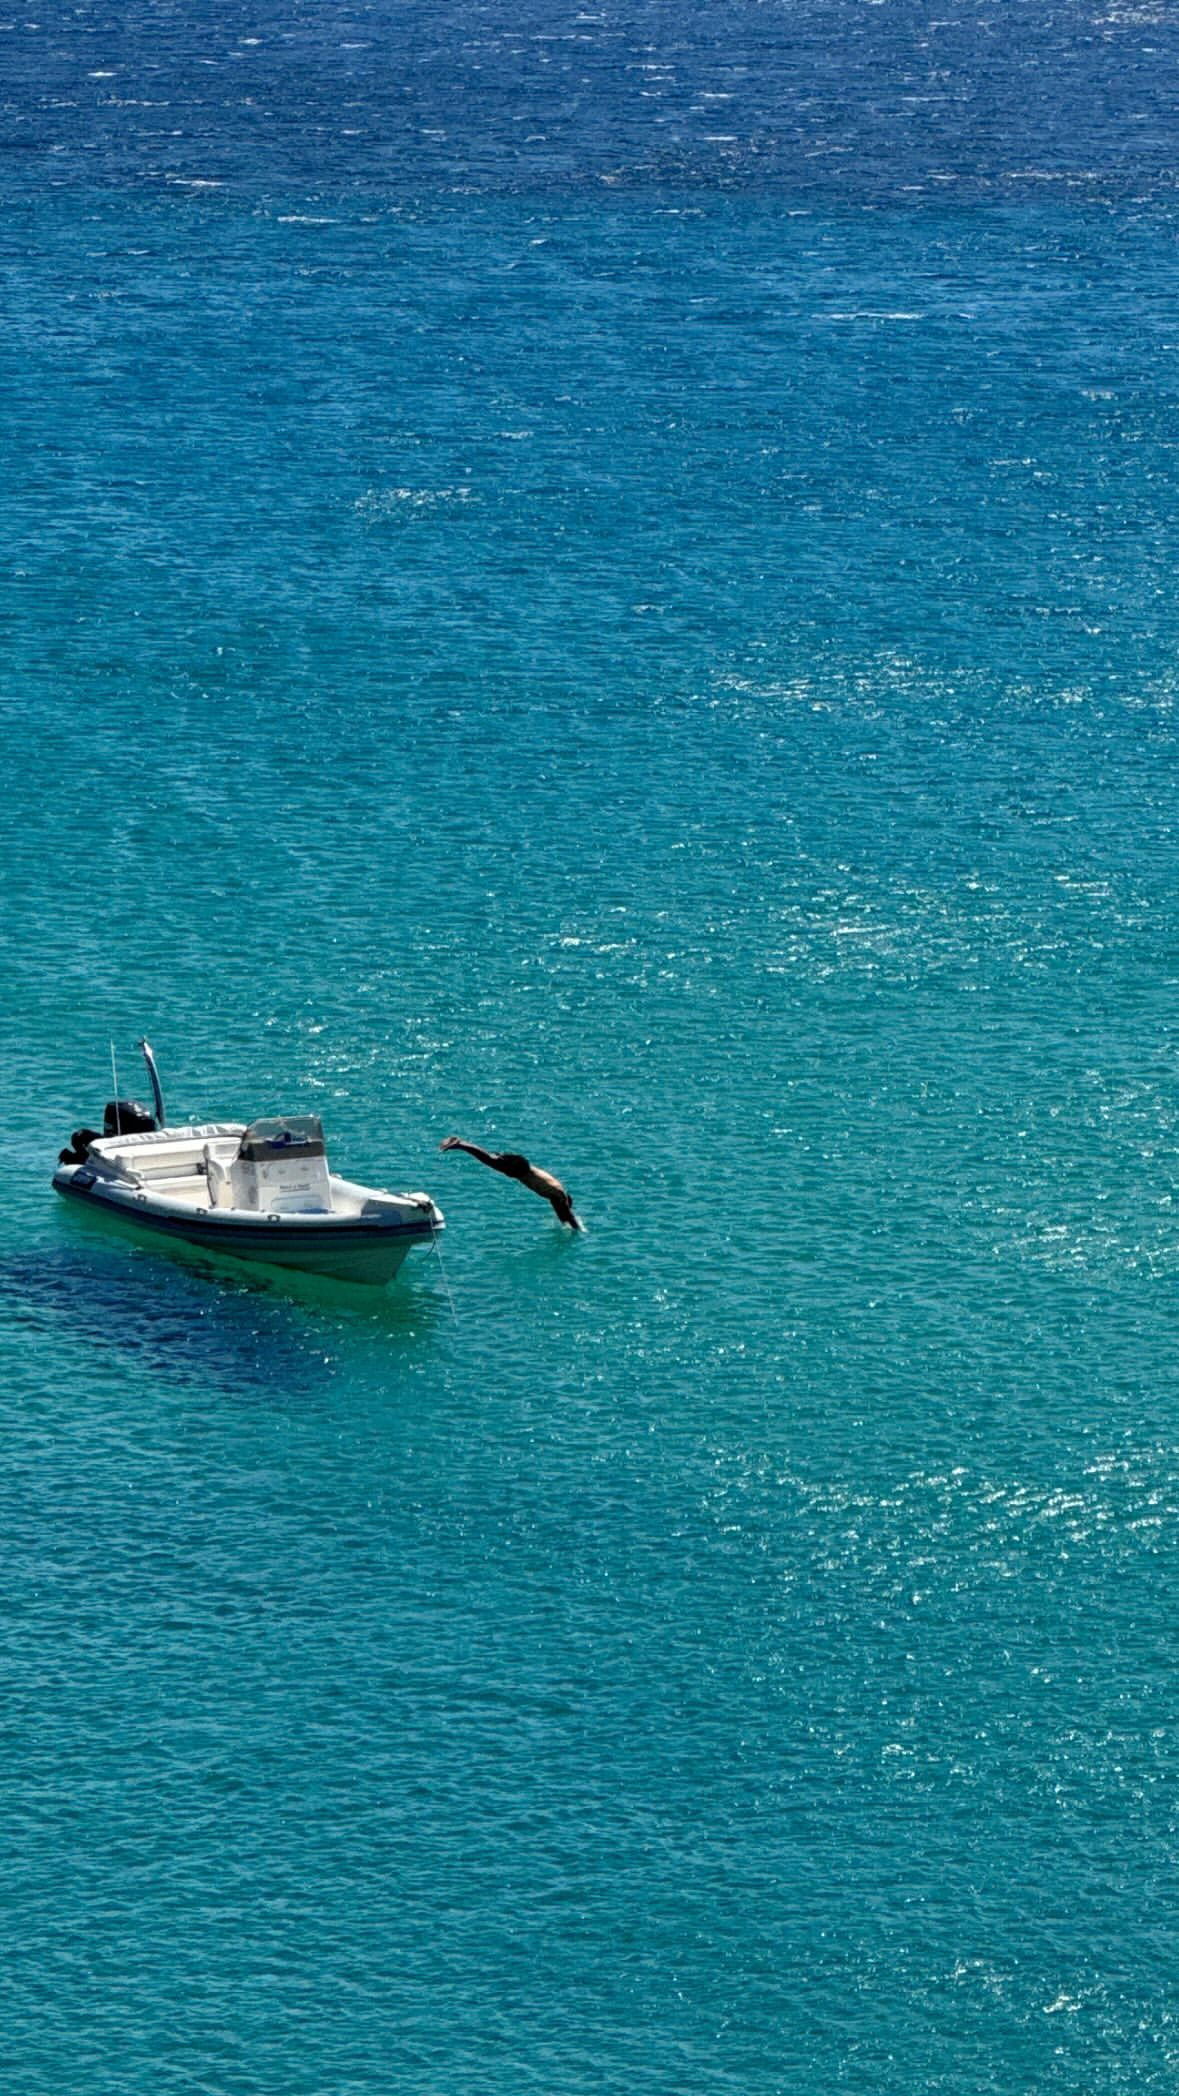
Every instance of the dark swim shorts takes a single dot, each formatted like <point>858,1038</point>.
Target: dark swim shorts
<point>511,1162</point>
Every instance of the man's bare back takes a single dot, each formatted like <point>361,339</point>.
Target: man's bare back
<point>513,1166</point>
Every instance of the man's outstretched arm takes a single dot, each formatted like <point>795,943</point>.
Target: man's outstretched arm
<point>455,1142</point>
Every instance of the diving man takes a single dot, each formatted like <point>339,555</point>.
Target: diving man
<point>513,1166</point>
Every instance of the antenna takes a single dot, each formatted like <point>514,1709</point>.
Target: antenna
<point>115,1084</point>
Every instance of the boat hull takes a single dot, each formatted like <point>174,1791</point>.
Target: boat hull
<point>340,1248</point>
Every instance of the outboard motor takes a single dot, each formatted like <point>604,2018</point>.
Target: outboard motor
<point>120,1117</point>
<point>126,1117</point>
<point>80,1142</point>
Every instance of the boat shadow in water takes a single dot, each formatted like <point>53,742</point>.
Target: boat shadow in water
<point>119,1284</point>
<point>401,1306</point>
<point>114,1309</point>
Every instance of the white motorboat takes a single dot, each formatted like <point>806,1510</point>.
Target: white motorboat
<point>258,1190</point>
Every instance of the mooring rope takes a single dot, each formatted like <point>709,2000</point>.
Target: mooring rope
<point>437,1242</point>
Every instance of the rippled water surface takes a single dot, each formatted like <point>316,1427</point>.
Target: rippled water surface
<point>589,583</point>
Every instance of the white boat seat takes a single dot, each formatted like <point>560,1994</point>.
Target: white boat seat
<point>220,1181</point>
<point>177,1161</point>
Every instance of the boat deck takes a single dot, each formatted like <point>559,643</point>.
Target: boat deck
<point>174,1168</point>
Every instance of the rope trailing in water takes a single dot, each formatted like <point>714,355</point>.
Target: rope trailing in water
<point>436,1239</point>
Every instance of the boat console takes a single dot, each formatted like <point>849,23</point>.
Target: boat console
<point>280,1169</point>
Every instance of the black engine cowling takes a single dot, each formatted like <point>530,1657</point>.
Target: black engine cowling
<point>80,1142</point>
<point>126,1117</point>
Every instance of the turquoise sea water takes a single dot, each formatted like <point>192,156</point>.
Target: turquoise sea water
<point>604,584</point>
